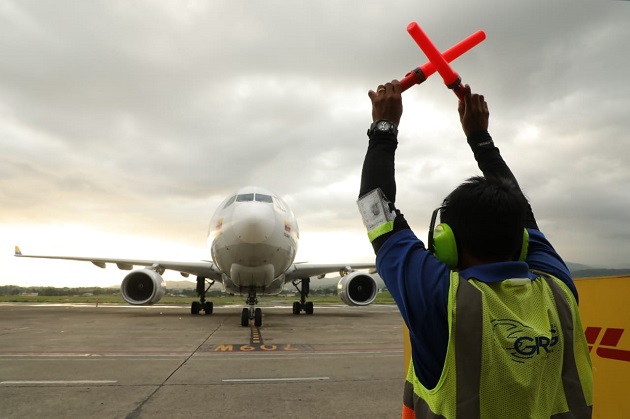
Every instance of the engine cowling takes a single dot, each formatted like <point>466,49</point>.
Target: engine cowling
<point>357,289</point>
<point>142,287</point>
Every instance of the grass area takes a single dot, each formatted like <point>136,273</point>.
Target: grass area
<point>381,298</point>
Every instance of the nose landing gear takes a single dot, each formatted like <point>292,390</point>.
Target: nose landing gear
<point>251,312</point>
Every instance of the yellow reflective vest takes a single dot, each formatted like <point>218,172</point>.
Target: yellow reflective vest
<point>516,350</point>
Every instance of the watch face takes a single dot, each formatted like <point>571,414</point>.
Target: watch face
<point>383,126</point>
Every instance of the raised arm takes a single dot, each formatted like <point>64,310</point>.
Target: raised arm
<point>474,116</point>
<point>378,166</point>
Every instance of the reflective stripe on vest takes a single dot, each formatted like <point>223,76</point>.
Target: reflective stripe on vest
<point>576,401</point>
<point>468,355</point>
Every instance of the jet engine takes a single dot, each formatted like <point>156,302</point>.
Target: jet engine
<point>143,287</point>
<point>357,289</point>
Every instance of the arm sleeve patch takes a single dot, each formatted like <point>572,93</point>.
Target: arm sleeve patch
<point>378,217</point>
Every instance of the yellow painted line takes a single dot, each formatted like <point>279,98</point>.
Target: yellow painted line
<point>255,338</point>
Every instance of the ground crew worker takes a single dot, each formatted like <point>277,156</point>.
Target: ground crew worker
<point>490,306</point>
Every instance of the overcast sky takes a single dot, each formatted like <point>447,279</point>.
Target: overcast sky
<point>124,124</point>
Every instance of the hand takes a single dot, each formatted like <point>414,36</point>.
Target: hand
<point>387,102</point>
<point>473,112</point>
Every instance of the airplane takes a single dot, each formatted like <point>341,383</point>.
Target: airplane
<point>253,238</point>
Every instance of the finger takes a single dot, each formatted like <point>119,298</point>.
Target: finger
<point>481,105</point>
<point>467,96</point>
<point>397,87</point>
<point>484,104</point>
<point>462,106</point>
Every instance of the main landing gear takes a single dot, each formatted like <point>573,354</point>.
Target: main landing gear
<point>303,287</point>
<point>251,313</point>
<point>202,304</point>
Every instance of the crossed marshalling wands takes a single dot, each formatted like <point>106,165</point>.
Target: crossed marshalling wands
<point>439,61</point>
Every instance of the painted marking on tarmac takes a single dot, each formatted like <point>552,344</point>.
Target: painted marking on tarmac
<point>254,347</point>
<point>266,380</point>
<point>57,382</point>
<point>255,337</point>
<point>256,344</point>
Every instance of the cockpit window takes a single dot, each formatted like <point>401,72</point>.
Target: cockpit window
<point>279,204</point>
<point>245,197</point>
<point>229,202</point>
<point>259,197</point>
<point>264,198</point>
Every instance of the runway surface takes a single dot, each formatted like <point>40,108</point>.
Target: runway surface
<point>80,361</point>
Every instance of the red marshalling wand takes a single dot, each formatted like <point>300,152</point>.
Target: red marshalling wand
<point>438,61</point>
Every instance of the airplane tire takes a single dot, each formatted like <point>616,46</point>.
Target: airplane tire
<point>195,307</point>
<point>296,307</point>
<point>245,317</point>
<point>308,307</point>
<point>208,306</point>
<point>258,317</point>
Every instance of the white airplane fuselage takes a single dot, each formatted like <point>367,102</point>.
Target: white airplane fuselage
<point>253,238</point>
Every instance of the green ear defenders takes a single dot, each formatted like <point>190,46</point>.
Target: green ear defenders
<point>443,245</point>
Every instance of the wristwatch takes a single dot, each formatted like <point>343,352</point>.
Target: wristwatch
<point>382,126</point>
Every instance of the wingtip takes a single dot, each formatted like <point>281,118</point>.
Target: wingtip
<point>18,252</point>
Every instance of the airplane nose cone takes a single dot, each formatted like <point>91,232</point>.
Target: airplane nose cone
<point>254,225</point>
<point>253,231</point>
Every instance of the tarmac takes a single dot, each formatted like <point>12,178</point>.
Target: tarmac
<point>113,361</point>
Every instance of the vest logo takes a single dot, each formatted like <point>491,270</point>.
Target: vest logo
<point>608,343</point>
<point>523,342</point>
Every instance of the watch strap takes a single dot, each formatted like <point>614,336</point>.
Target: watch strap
<point>375,127</point>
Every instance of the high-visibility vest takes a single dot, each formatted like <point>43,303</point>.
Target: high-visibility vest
<point>516,349</point>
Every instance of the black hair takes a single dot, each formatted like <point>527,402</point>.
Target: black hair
<point>487,217</point>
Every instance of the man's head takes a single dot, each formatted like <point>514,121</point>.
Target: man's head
<point>487,217</point>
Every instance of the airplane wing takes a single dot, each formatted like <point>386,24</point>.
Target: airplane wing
<point>307,270</point>
<point>206,269</point>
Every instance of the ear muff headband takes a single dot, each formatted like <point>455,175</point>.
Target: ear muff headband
<point>524,246</point>
<point>430,246</point>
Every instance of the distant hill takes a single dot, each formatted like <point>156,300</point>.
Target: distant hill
<point>172,285</point>
<point>180,285</point>
<point>574,267</point>
<point>315,283</point>
<point>590,273</point>
<point>584,271</point>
